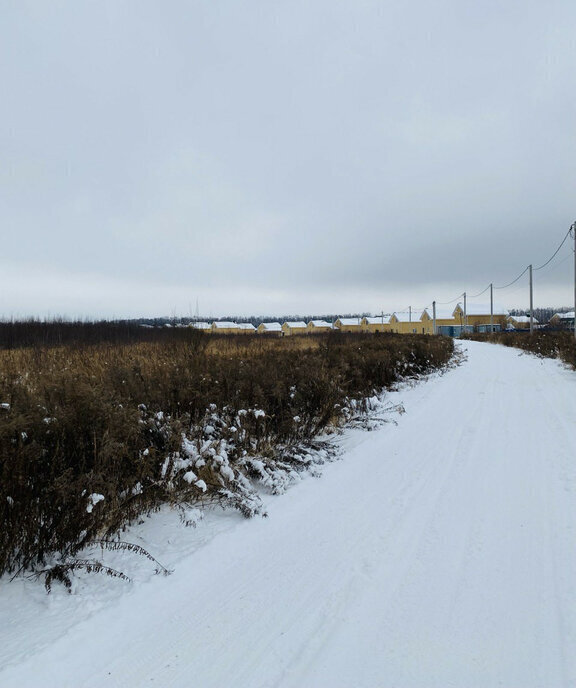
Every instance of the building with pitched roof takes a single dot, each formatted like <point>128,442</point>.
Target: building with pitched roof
<point>411,322</point>
<point>272,328</point>
<point>349,324</point>
<point>292,327</point>
<point>317,326</point>
<point>380,323</point>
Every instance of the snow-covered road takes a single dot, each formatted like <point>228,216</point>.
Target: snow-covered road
<point>440,552</point>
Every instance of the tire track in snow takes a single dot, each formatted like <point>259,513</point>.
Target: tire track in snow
<point>474,642</point>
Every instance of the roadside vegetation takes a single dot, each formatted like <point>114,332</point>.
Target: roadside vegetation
<point>551,344</point>
<point>95,435</point>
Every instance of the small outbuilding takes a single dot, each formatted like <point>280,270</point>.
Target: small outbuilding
<point>224,327</point>
<point>271,328</point>
<point>317,326</point>
<point>380,323</point>
<point>563,320</point>
<point>246,328</point>
<point>411,322</point>
<point>349,324</point>
<point>519,322</point>
<point>293,327</point>
<point>204,326</point>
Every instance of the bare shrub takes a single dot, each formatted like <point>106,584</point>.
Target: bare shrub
<point>550,344</point>
<point>94,436</point>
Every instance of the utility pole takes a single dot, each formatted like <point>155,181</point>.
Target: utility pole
<point>410,313</point>
<point>573,228</point>
<point>465,316</point>
<point>531,303</point>
<point>433,317</point>
<point>491,309</point>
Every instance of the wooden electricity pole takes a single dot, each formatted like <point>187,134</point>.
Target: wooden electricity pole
<point>491,309</point>
<point>573,228</point>
<point>531,303</point>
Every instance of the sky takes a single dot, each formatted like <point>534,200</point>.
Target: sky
<point>283,157</point>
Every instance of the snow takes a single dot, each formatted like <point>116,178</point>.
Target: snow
<point>379,320</point>
<point>521,319</point>
<point>407,316</point>
<point>350,321</point>
<point>224,325</point>
<point>94,499</point>
<point>190,477</point>
<point>435,554</point>
<point>227,472</point>
<point>295,323</point>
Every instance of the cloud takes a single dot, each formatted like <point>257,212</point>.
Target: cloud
<point>279,155</point>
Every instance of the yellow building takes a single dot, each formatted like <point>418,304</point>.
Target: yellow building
<point>203,326</point>
<point>317,326</point>
<point>564,321</point>
<point>293,327</point>
<point>224,327</point>
<point>271,328</point>
<point>380,323</point>
<point>444,320</point>
<point>349,324</point>
<point>411,322</point>
<point>246,328</point>
<point>519,322</point>
<point>477,317</point>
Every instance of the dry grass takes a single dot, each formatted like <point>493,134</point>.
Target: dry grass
<point>111,419</point>
<point>551,344</point>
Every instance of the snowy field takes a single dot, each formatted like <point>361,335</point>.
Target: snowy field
<point>439,552</point>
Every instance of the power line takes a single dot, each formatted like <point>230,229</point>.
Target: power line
<point>562,261</point>
<point>475,296</point>
<point>570,232</point>
<point>446,303</point>
<point>522,287</point>
<point>513,281</point>
<point>556,251</point>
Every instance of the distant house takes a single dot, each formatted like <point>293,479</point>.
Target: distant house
<point>293,327</point>
<point>317,326</point>
<point>270,328</point>
<point>478,316</point>
<point>224,327</point>
<point>444,319</point>
<point>380,323</point>
<point>411,322</point>
<point>519,322</point>
<point>204,326</point>
<point>246,328</point>
<point>563,320</point>
<point>349,324</point>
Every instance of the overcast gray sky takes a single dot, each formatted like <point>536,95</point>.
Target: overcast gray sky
<point>263,157</point>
